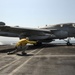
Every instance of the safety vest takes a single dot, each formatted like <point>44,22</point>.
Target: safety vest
<point>23,42</point>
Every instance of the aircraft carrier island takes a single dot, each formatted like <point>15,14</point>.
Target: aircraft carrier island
<point>48,59</point>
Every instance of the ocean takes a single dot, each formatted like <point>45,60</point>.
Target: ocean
<point>8,40</point>
<point>12,40</point>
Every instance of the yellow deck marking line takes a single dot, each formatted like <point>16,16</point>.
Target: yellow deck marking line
<point>23,63</point>
<point>18,58</point>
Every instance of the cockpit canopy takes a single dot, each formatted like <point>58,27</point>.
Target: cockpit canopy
<point>2,23</point>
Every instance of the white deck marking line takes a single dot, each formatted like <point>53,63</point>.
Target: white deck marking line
<point>7,56</point>
<point>32,51</point>
<point>15,60</point>
<point>39,51</point>
<point>23,63</point>
<point>2,56</point>
<point>69,47</point>
<point>13,55</point>
<point>54,56</point>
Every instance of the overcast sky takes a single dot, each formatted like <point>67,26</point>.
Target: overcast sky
<point>34,13</point>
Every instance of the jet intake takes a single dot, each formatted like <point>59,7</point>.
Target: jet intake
<point>61,34</point>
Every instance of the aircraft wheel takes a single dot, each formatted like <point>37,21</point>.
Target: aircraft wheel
<point>69,44</point>
<point>38,44</point>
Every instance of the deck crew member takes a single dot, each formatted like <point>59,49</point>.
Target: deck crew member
<point>22,45</point>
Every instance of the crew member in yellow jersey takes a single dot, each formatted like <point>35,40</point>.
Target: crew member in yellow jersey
<point>22,45</point>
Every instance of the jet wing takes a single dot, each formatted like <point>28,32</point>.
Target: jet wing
<point>20,29</point>
<point>26,31</point>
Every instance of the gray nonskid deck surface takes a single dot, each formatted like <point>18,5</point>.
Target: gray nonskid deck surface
<point>45,60</point>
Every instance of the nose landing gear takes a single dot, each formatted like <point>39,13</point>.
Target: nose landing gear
<point>68,42</point>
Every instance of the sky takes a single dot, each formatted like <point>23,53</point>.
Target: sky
<point>34,13</point>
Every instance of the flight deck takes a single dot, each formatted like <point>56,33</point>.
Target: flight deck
<point>48,59</point>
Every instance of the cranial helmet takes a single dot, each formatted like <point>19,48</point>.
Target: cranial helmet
<point>27,38</point>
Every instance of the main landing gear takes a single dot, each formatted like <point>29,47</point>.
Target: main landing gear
<point>38,44</point>
<point>68,42</point>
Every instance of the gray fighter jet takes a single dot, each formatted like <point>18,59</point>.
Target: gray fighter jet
<point>46,34</point>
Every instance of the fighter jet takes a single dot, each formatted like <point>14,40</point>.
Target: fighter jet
<point>45,34</point>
